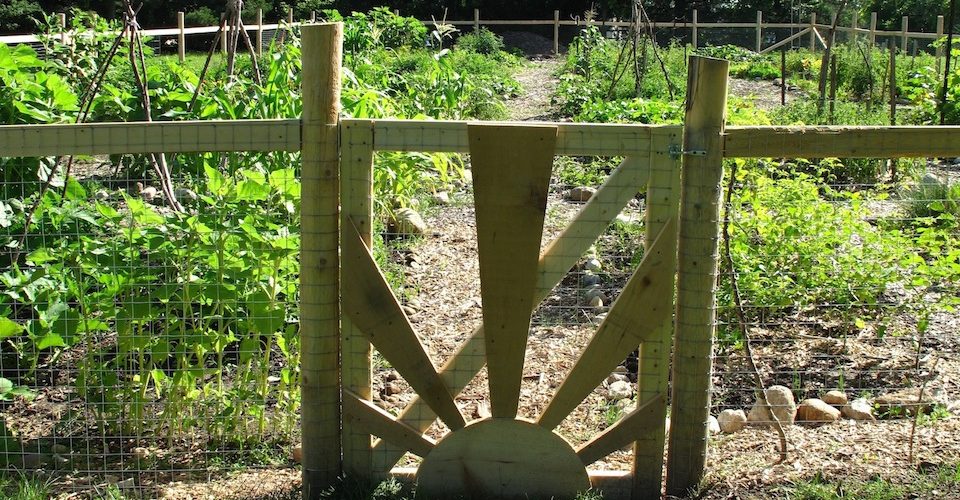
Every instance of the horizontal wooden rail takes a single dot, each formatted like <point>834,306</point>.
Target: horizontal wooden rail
<point>149,137</point>
<point>842,142</point>
<point>573,139</point>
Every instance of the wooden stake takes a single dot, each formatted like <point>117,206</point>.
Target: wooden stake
<point>833,86</point>
<point>697,267</point>
<point>181,37</point>
<point>873,30</point>
<point>319,260</point>
<point>783,77</point>
<point>476,20</point>
<point>855,25</point>
<point>939,36</point>
<point>62,21</point>
<point>892,47</point>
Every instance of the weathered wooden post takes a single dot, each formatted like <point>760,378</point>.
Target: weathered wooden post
<point>693,30</point>
<point>892,46</point>
<point>259,32</point>
<point>476,20</point>
<point>62,22</point>
<point>556,32</point>
<point>855,25</point>
<point>813,32</point>
<point>873,30</point>
<point>759,41</point>
<point>904,36</point>
<point>698,244</point>
<point>319,261</point>
<point>939,53</point>
<point>181,37</point>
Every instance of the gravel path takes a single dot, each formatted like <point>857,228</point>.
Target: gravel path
<point>539,81</point>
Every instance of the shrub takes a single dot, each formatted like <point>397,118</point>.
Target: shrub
<point>481,42</point>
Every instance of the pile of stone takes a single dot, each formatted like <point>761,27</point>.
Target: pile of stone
<point>833,406</point>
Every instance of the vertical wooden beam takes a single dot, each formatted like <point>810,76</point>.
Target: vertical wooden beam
<point>290,15</point>
<point>319,260</point>
<point>693,29</point>
<point>181,37</point>
<point>556,32</point>
<point>663,204</point>
<point>697,270</point>
<point>783,77</point>
<point>759,44</point>
<point>833,86</point>
<point>476,20</point>
<point>313,16</point>
<point>873,30</point>
<point>904,36</point>
<point>225,27</point>
<point>259,32</point>
<point>356,201</point>
<point>939,53</point>
<point>813,32</point>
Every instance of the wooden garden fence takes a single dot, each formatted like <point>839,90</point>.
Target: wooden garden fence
<point>337,157</point>
<point>814,31</point>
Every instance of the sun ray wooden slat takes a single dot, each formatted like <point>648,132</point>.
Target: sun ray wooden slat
<point>623,432</point>
<point>640,309</point>
<point>373,309</point>
<point>375,420</point>
<point>561,255</point>
<point>511,176</point>
<point>621,186</point>
<point>149,137</point>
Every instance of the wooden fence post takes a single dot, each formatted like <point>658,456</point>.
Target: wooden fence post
<point>905,24</point>
<point>759,44</point>
<point>783,77</point>
<point>556,32</point>
<point>62,21</point>
<point>476,20</point>
<point>259,32</point>
<point>290,15</point>
<point>892,46</point>
<point>855,24</point>
<point>698,245</point>
<point>313,16</point>
<point>319,261</point>
<point>873,30</point>
<point>693,29</point>
<point>181,37</point>
<point>939,36</point>
<point>813,32</point>
<point>225,26</point>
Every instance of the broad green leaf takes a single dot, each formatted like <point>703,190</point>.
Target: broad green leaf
<point>9,328</point>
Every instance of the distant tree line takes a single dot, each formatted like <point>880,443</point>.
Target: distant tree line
<point>17,15</point>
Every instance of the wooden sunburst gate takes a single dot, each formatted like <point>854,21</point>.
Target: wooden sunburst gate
<point>503,456</point>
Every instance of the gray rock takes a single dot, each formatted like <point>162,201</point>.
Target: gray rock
<point>858,409</point>
<point>617,377</point>
<point>593,265</point>
<point>595,302</point>
<point>580,194</point>
<point>619,390</point>
<point>589,279</point>
<point>731,421</point>
<point>713,425</point>
<point>835,398</point>
<point>816,410</point>
<point>441,198</point>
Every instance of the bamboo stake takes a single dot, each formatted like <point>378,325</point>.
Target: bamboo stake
<point>181,37</point>
<point>697,268</point>
<point>319,275</point>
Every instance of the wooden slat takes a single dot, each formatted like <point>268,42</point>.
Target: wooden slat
<point>624,431</point>
<point>653,367</point>
<point>573,139</point>
<point>373,309</point>
<point>511,176</point>
<point>356,195</point>
<point>149,137</point>
<point>562,254</point>
<point>375,420</point>
<point>595,216</point>
<point>639,311</point>
<point>842,142</point>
